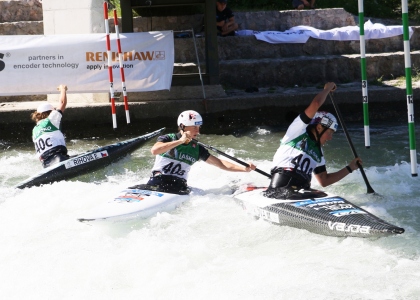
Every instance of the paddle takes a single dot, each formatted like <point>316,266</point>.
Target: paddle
<point>231,157</point>
<point>369,188</point>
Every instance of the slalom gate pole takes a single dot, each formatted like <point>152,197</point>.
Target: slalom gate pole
<point>409,90</point>
<point>111,80</point>
<point>198,63</point>
<point>364,74</point>
<point>121,59</point>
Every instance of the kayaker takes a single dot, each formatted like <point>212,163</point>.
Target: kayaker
<point>176,153</point>
<point>300,153</point>
<point>50,145</point>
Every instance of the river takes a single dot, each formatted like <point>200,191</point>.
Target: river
<point>208,248</point>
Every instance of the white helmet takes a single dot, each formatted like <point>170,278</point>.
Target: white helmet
<point>326,119</point>
<point>190,118</point>
<point>45,106</point>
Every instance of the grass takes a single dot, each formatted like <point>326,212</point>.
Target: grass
<point>400,81</point>
<point>377,81</point>
<point>416,72</point>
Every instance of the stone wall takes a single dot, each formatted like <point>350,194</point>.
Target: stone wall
<point>282,20</point>
<point>14,13</point>
<point>259,20</point>
<point>22,28</point>
<point>20,10</point>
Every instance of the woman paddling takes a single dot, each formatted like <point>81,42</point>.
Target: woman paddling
<point>50,145</point>
<point>176,153</point>
<point>300,153</point>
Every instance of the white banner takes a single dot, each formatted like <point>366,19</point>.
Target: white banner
<point>37,64</point>
<point>301,34</point>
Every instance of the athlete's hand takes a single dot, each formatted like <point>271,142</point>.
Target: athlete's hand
<point>354,164</point>
<point>62,87</point>
<point>186,137</point>
<point>330,86</point>
<point>250,167</point>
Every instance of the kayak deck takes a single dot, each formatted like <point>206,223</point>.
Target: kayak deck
<point>88,162</point>
<point>133,203</point>
<point>327,215</point>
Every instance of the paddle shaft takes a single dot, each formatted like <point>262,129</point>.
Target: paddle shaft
<point>369,188</point>
<point>231,157</point>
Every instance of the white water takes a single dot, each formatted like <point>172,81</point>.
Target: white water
<point>208,248</point>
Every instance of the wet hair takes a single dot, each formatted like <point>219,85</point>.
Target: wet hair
<point>36,116</point>
<point>310,126</point>
<point>313,126</point>
<point>311,129</point>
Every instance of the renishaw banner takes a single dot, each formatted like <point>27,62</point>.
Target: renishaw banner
<point>37,64</point>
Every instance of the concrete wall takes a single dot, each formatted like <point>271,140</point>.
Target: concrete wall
<point>75,17</point>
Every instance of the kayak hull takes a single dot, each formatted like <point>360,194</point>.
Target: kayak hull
<point>324,214</point>
<point>88,162</point>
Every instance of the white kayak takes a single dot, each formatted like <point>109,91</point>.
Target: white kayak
<point>134,203</point>
<point>315,211</point>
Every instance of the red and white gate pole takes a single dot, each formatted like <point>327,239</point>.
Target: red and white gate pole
<point>121,59</point>
<point>109,54</point>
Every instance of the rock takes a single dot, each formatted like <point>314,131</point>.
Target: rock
<point>20,10</point>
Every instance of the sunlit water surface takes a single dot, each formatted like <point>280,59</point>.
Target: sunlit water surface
<point>208,248</point>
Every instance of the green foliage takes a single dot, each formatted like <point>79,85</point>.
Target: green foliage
<point>416,73</point>
<point>377,81</point>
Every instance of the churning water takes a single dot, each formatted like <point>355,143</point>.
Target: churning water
<point>208,248</point>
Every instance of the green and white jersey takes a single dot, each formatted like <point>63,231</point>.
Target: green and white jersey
<point>47,135</point>
<point>178,161</point>
<point>298,151</point>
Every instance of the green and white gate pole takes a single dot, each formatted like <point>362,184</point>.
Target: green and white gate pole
<point>409,89</point>
<point>364,76</point>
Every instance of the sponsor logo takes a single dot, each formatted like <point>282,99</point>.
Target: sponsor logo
<point>268,215</point>
<point>302,144</point>
<point>160,55</point>
<point>77,161</point>
<point>2,64</point>
<point>333,205</point>
<point>48,129</point>
<point>319,201</point>
<point>135,195</point>
<point>337,206</point>
<point>346,212</point>
<point>348,228</point>
<point>129,198</point>
<point>261,213</point>
<point>127,56</point>
<point>187,157</point>
<point>144,192</point>
<point>312,153</point>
